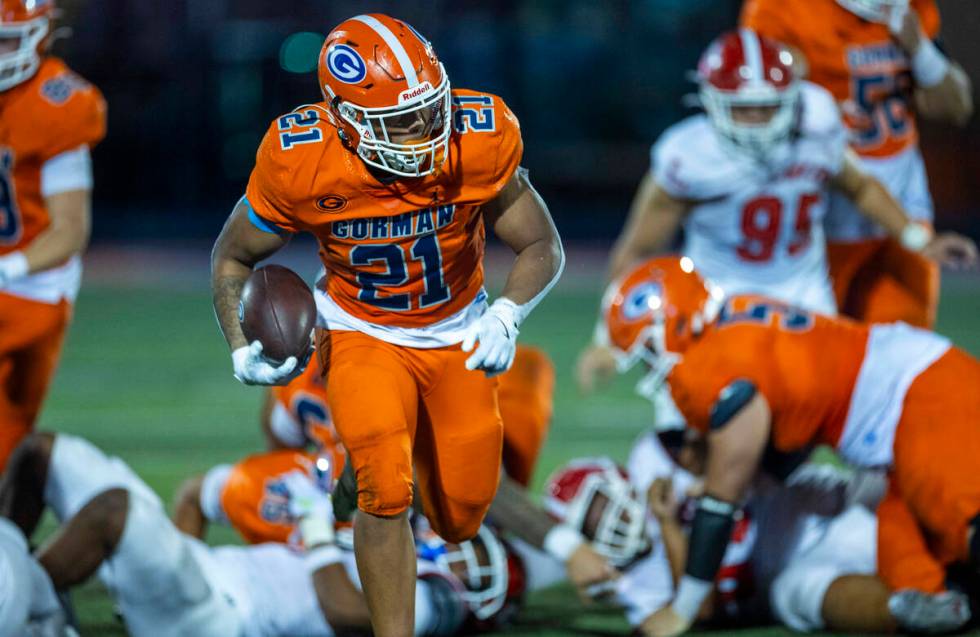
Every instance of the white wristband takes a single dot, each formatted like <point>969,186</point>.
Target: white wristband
<point>561,541</point>
<point>929,65</point>
<point>915,237</point>
<point>13,266</point>
<point>322,556</point>
<point>316,530</point>
<point>691,593</point>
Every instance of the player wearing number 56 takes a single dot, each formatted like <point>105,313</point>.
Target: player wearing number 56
<point>51,119</point>
<point>750,180</point>
<point>396,175</point>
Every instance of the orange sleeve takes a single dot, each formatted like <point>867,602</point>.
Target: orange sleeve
<point>768,18</point>
<point>695,387</point>
<point>488,145</point>
<point>268,190</point>
<point>510,149</point>
<point>76,114</point>
<point>928,17</point>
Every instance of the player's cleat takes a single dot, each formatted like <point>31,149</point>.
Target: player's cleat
<point>920,612</point>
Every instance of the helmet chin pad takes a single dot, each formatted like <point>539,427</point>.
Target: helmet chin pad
<point>22,63</point>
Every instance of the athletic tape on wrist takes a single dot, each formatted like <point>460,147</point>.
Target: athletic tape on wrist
<point>561,541</point>
<point>929,65</point>
<point>321,556</point>
<point>691,593</point>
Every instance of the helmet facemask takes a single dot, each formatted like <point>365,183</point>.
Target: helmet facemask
<point>19,55</point>
<point>382,131</point>
<point>759,136</point>
<point>607,511</point>
<point>481,565</point>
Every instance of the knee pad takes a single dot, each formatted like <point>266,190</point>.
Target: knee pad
<point>384,498</point>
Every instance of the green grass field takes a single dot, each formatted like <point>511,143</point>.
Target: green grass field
<point>146,376</point>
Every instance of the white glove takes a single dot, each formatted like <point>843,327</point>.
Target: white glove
<point>252,368</point>
<point>311,507</point>
<point>497,333</point>
<point>12,266</point>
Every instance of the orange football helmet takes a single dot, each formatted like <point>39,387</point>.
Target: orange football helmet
<point>653,314</point>
<point>388,93</point>
<point>24,29</point>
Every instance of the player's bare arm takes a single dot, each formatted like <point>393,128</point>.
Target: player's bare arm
<point>343,605</point>
<point>663,507</point>
<point>514,511</point>
<point>238,248</point>
<point>68,232</point>
<point>188,515</point>
<point>943,90</point>
<point>521,220</point>
<point>875,202</point>
<point>654,219</point>
<point>735,448</point>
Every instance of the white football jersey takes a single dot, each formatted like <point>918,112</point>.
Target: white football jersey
<point>793,542</point>
<point>758,228</point>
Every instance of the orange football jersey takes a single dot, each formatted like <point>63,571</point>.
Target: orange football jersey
<point>304,404</point>
<point>407,253</point>
<point>53,112</point>
<point>805,365</point>
<point>254,499</point>
<point>856,60</point>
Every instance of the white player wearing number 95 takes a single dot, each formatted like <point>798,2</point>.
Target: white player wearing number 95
<point>749,180</point>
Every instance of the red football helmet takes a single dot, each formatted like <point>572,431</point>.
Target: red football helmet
<point>882,11</point>
<point>389,94</point>
<point>594,496</point>
<point>24,29</point>
<point>654,312</point>
<point>742,72</point>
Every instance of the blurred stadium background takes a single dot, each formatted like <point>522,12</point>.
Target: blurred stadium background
<point>191,87</point>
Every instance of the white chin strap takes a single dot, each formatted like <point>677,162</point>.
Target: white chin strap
<point>20,65</point>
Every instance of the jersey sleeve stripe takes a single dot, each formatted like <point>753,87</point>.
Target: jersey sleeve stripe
<point>263,224</point>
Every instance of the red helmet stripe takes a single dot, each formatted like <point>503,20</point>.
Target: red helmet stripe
<point>752,50</point>
<point>395,45</point>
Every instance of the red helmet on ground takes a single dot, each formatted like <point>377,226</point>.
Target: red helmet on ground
<point>389,94</point>
<point>742,70</point>
<point>24,29</point>
<point>654,312</point>
<point>594,496</point>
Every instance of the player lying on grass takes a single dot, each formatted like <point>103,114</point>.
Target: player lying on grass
<point>168,583</point>
<point>250,496</point>
<point>753,375</point>
<point>801,554</point>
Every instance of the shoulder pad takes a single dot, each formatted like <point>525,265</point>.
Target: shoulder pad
<point>732,399</point>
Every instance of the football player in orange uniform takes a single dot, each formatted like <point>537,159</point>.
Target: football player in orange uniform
<point>396,175</point>
<point>879,60</point>
<point>248,495</point>
<point>757,378</point>
<point>50,120</point>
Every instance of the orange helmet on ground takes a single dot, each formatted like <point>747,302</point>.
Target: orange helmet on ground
<point>389,94</point>
<point>24,29</point>
<point>654,312</point>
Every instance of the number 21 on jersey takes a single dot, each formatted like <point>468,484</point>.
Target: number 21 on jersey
<point>424,251</point>
<point>9,216</point>
<point>762,225</point>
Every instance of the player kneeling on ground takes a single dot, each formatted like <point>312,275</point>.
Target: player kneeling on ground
<point>168,583</point>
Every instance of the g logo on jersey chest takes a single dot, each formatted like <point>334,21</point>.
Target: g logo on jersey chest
<point>332,203</point>
<point>346,64</point>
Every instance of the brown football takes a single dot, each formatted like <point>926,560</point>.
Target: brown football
<point>277,308</point>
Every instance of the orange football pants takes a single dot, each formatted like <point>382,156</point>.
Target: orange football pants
<point>393,404</point>
<point>934,486</point>
<point>526,395</point>
<point>31,334</point>
<point>879,281</point>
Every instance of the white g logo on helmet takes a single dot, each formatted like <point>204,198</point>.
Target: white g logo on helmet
<point>642,299</point>
<point>346,64</point>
